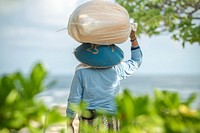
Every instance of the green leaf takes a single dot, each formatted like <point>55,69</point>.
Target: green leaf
<point>177,17</point>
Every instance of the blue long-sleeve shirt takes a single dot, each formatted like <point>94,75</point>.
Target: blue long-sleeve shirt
<point>98,87</point>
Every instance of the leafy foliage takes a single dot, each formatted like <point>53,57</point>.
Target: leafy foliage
<point>181,17</point>
<point>18,108</point>
<point>162,113</point>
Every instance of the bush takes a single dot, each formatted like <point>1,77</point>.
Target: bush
<point>18,107</point>
<point>162,113</point>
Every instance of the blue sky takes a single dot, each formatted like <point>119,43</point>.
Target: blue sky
<point>28,35</point>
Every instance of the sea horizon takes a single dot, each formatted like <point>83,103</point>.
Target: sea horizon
<point>184,85</point>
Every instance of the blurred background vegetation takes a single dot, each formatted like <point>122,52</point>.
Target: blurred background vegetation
<point>19,110</point>
<point>164,112</point>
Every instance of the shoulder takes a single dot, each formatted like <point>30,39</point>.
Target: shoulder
<point>82,66</point>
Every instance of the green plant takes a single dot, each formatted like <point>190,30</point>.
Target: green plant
<point>162,113</point>
<point>179,17</point>
<point>18,107</point>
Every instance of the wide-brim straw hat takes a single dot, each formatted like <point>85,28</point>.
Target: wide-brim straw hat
<point>99,56</point>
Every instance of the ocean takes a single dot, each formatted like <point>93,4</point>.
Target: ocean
<point>185,85</point>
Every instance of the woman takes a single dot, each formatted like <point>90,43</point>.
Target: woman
<point>97,79</point>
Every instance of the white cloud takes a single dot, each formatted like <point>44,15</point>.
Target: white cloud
<point>50,12</point>
<point>8,7</point>
<point>36,37</point>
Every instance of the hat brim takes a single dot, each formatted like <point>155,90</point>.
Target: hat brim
<point>100,56</point>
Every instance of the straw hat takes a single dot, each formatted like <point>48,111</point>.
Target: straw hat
<point>99,56</point>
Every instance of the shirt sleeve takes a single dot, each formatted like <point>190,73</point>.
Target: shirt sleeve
<point>127,68</point>
<point>75,94</point>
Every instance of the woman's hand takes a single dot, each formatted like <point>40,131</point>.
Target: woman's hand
<point>132,36</point>
<point>133,30</point>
